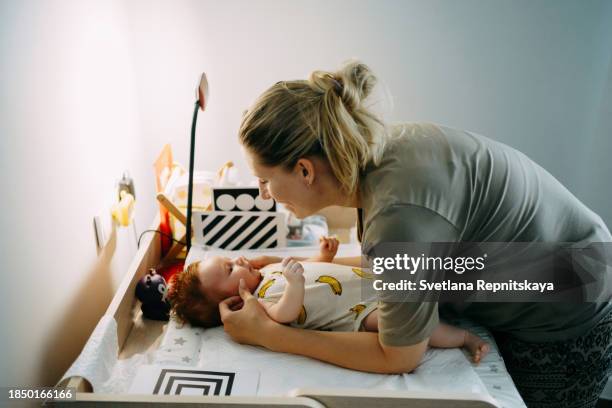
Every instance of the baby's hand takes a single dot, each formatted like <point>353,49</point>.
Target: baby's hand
<point>293,271</point>
<point>329,248</point>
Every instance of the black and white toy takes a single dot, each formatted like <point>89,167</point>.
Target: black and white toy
<point>151,290</point>
<point>240,199</point>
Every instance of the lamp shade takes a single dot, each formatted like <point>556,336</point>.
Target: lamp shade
<point>202,92</point>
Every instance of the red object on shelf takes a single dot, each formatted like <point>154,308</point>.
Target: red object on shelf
<point>169,271</point>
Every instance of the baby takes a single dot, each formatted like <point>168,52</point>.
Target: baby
<point>308,293</point>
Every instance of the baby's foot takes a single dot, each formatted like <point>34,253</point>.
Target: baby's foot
<point>476,346</point>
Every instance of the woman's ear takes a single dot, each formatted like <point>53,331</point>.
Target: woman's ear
<point>306,171</point>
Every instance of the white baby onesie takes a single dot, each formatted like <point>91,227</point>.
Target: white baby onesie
<point>332,296</point>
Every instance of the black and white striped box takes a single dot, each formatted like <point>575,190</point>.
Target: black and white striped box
<point>232,230</point>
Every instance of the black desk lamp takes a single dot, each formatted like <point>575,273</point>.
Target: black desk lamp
<point>201,101</point>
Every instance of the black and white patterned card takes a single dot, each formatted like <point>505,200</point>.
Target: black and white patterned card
<point>233,230</point>
<point>240,199</point>
<point>177,380</point>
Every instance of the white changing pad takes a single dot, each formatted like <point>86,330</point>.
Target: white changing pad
<point>441,370</point>
<point>451,369</point>
<point>445,370</point>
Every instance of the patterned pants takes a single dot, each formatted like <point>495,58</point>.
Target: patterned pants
<point>570,373</point>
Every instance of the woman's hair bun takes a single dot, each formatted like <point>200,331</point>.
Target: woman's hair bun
<point>353,82</point>
<point>357,82</point>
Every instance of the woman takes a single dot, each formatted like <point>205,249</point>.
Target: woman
<point>313,144</point>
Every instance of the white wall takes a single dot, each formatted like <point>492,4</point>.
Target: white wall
<point>527,73</point>
<point>91,88</point>
<point>69,128</point>
<point>596,165</point>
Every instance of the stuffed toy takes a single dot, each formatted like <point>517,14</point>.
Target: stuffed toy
<point>151,290</point>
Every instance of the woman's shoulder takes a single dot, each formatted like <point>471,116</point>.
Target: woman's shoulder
<point>432,136</point>
<point>421,167</point>
<point>421,145</point>
<point>417,156</point>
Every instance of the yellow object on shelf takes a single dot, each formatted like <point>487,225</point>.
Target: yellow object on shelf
<point>122,211</point>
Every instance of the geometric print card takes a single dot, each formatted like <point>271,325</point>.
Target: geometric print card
<point>235,230</point>
<point>181,380</point>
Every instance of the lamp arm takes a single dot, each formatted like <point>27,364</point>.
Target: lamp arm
<point>190,185</point>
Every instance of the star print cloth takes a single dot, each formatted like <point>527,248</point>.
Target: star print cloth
<point>180,346</point>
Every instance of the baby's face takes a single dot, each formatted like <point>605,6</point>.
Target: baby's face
<point>220,276</point>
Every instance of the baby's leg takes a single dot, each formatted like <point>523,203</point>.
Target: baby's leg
<point>447,336</point>
<point>443,336</point>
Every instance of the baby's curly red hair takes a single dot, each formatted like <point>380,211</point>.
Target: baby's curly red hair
<point>189,303</point>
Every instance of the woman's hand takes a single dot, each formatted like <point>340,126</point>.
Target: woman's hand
<point>249,324</point>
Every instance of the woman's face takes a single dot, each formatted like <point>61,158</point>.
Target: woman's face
<point>293,188</point>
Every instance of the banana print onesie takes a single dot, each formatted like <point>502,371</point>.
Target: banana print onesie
<point>332,295</point>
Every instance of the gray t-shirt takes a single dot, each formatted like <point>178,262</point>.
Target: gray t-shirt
<point>437,184</point>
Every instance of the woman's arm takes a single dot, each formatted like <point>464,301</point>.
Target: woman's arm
<point>355,350</point>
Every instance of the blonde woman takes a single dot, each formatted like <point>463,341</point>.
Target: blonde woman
<point>313,143</point>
